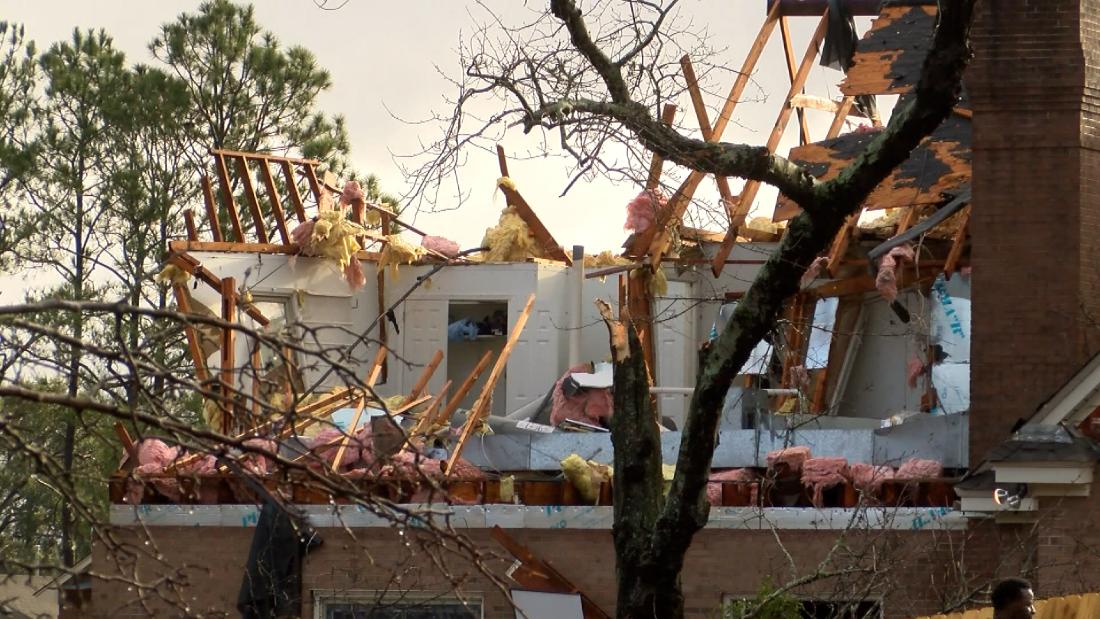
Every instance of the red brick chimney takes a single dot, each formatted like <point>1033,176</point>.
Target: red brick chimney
<point>1035,229</point>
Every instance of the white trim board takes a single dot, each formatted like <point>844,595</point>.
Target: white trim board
<point>549,517</point>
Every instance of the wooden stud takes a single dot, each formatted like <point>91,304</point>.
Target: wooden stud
<point>427,418</point>
<point>227,197</point>
<point>622,294</point>
<point>253,201</point>
<point>376,366</point>
<point>953,256</point>
<point>668,114</point>
<point>696,95</point>
<point>482,402</point>
<point>211,209</point>
<point>292,191</point>
<point>314,184</point>
<point>346,437</point>
<point>465,387</point>
<point>276,202</point>
<point>843,111</point>
<point>513,198</point>
<point>189,224</point>
<point>502,161</point>
<point>264,156</point>
<point>425,376</point>
<point>839,247</point>
<point>788,53</point>
<point>546,240</point>
<point>255,363</point>
<point>127,443</point>
<point>639,303</point>
<point>748,193</point>
<point>228,363</point>
<point>183,302</point>
<point>656,237</point>
<point>383,331</point>
<point>189,264</point>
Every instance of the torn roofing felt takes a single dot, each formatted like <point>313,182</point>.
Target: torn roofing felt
<point>939,166</point>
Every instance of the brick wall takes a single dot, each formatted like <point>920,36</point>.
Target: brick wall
<point>1036,223</point>
<point>914,573</point>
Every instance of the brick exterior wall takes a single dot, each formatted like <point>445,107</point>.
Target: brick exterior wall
<point>914,573</point>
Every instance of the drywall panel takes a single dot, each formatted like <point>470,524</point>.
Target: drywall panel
<point>878,385</point>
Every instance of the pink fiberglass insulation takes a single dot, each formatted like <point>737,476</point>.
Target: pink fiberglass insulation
<point>793,457</point>
<point>353,194</point>
<point>259,463</point>
<point>587,405</point>
<point>814,269</point>
<point>920,469</point>
<point>913,370</point>
<point>714,485</point>
<point>359,452</point>
<point>820,474</point>
<point>641,212</point>
<point>353,274</point>
<point>440,244</point>
<point>887,279</point>
<point>869,477</point>
<point>301,233</point>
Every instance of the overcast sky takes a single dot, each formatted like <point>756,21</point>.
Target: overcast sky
<point>383,55</point>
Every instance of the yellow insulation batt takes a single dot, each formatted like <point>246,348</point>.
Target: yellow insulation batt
<point>510,240</point>
<point>398,251</point>
<point>172,274</point>
<point>586,476</point>
<point>604,259</point>
<point>334,237</point>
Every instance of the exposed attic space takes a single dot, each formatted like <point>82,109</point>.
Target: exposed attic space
<point>493,362</point>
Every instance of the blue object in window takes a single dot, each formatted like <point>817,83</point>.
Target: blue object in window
<point>465,329</point>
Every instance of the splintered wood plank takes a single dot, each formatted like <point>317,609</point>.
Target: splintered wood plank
<point>939,165</point>
<point>668,114</point>
<point>275,201</point>
<point>253,200</point>
<point>183,302</point>
<point>127,443</point>
<point>476,412</point>
<point>189,224</point>
<point>502,160</point>
<point>292,190</point>
<point>889,57</point>
<point>748,193</point>
<point>376,366</point>
<point>788,53</point>
<point>840,243</point>
<point>465,387</point>
<point>203,274</point>
<point>657,235</point>
<point>427,417</point>
<point>349,433</point>
<point>227,197</point>
<point>211,209</point>
<point>957,243</point>
<point>228,362</point>
<point>546,241</point>
<point>426,375</point>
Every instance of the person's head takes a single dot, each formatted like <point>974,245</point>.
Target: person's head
<point>1013,599</point>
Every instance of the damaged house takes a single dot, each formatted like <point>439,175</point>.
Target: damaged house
<point>926,401</point>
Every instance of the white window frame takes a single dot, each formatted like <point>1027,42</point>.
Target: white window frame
<point>322,597</point>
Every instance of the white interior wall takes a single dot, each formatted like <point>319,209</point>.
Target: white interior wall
<point>877,386</point>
